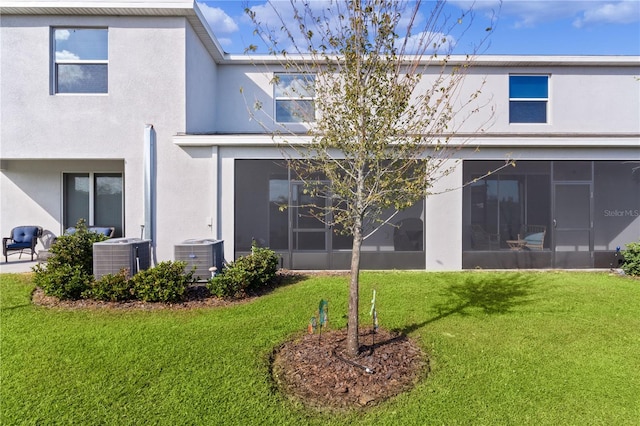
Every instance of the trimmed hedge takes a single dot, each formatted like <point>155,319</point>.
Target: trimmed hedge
<point>247,273</point>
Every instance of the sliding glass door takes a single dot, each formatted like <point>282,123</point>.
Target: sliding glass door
<point>95,197</point>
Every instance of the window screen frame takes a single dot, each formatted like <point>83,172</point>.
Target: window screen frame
<point>57,62</point>
<point>531,100</point>
<point>92,202</point>
<point>292,98</point>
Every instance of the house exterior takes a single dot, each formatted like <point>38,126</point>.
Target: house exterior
<point>131,115</point>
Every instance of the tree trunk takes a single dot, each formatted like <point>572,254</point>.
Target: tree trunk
<point>353,344</point>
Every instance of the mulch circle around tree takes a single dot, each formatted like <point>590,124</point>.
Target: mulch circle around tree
<point>316,371</point>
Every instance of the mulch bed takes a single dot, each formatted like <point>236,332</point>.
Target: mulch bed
<point>317,372</point>
<point>197,297</point>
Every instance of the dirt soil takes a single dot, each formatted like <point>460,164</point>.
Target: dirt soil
<point>197,297</point>
<point>314,369</point>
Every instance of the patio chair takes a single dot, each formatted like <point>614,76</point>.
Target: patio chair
<point>105,230</point>
<point>483,240</point>
<point>22,238</point>
<point>533,236</point>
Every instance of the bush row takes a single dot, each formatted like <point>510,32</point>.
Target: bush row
<point>68,274</point>
<point>166,282</point>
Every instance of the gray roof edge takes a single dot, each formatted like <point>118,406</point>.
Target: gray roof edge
<point>180,8</point>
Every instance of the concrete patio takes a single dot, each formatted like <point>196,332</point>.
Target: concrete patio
<point>17,265</point>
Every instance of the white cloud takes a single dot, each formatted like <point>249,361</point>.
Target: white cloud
<point>66,55</point>
<point>624,12</point>
<point>217,19</point>
<point>62,34</point>
<point>435,43</point>
<point>225,41</point>
<point>530,13</point>
<point>279,15</point>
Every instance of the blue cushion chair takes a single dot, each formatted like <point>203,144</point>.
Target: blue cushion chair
<point>105,230</point>
<point>533,236</point>
<point>22,238</point>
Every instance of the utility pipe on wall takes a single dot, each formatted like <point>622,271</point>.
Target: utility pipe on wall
<point>150,187</point>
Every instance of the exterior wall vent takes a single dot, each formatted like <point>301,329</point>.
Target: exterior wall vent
<point>201,254</point>
<point>112,255</point>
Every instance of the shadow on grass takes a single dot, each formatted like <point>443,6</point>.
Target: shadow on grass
<point>493,294</point>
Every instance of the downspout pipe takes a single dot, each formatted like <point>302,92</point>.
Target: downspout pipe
<point>149,228</point>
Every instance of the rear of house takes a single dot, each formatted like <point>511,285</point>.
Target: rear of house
<point>132,117</point>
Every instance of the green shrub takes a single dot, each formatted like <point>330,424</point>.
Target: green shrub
<point>69,271</point>
<point>262,263</point>
<point>111,288</point>
<point>165,282</point>
<point>76,248</point>
<point>64,281</point>
<point>247,273</point>
<point>232,282</point>
<point>631,265</point>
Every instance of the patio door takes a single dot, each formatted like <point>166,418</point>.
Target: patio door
<point>573,225</point>
<point>95,197</point>
<point>310,237</point>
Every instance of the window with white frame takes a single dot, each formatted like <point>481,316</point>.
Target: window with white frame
<point>80,60</point>
<point>293,94</point>
<point>94,197</point>
<point>528,98</point>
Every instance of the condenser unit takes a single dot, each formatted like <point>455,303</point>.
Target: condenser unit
<point>112,255</point>
<point>201,255</point>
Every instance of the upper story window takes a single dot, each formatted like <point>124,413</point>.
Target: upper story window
<point>293,94</point>
<point>80,60</point>
<point>528,98</point>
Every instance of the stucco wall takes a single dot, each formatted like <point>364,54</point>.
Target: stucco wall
<point>581,99</point>
<point>147,85</point>
<point>201,77</point>
<point>31,192</point>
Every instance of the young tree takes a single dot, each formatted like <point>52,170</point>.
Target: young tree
<point>381,127</point>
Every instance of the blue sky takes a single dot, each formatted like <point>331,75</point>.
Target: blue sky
<point>527,27</point>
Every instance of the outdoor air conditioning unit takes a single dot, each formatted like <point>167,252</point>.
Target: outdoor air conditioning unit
<point>112,255</point>
<point>201,254</point>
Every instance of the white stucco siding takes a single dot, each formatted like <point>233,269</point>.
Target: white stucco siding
<point>146,84</point>
<point>596,100</point>
<point>240,87</point>
<point>443,218</point>
<point>31,190</point>
<point>589,99</point>
<point>185,203</point>
<point>201,77</point>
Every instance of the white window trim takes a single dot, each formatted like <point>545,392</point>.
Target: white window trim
<point>290,98</point>
<point>55,61</point>
<point>547,99</point>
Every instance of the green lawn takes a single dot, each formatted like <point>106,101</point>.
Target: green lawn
<point>506,348</point>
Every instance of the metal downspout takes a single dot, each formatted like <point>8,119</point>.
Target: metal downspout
<point>149,229</point>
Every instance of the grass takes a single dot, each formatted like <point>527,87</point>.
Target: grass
<point>506,348</point>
